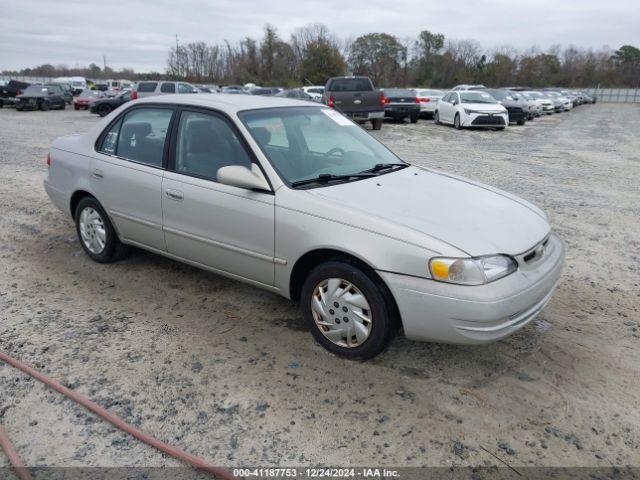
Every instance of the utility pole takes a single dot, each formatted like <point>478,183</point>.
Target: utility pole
<point>104,62</point>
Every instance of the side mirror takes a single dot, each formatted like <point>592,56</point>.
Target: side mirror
<point>242,177</point>
<point>454,102</point>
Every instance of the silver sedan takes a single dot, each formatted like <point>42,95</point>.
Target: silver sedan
<point>292,197</point>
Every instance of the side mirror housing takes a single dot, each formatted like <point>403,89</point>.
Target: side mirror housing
<point>242,177</point>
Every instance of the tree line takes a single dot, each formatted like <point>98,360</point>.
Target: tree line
<point>313,53</point>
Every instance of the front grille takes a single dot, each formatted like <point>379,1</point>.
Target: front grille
<point>488,120</point>
<point>516,110</point>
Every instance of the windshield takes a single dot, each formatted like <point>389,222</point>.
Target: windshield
<point>476,97</point>
<point>434,93</point>
<point>306,142</point>
<point>399,92</point>
<point>35,90</point>
<point>76,84</point>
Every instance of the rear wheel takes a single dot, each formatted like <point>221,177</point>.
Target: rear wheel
<point>95,232</point>
<point>376,123</point>
<point>456,122</point>
<point>521,122</point>
<point>347,312</point>
<point>414,117</point>
<point>436,118</point>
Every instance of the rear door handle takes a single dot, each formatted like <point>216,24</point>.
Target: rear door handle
<point>97,173</point>
<point>174,194</point>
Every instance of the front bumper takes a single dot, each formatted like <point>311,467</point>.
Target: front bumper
<point>442,312</point>
<point>485,120</point>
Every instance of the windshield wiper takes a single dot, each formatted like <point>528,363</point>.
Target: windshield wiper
<point>329,177</point>
<point>384,166</point>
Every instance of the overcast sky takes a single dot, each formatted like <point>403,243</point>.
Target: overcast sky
<point>138,33</point>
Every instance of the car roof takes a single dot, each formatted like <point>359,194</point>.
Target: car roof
<point>228,103</point>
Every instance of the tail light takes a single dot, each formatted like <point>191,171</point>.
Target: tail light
<point>49,159</point>
<point>19,92</point>
<point>385,100</point>
<point>331,102</point>
<point>134,95</point>
<point>417,100</point>
<point>424,100</point>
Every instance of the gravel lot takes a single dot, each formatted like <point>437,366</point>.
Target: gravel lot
<point>229,373</point>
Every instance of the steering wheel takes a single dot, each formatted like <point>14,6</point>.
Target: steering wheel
<point>333,151</point>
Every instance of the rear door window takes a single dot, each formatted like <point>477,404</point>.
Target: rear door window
<point>168,87</point>
<point>147,86</point>
<point>142,135</point>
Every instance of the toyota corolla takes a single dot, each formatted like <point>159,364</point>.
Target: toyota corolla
<point>293,197</point>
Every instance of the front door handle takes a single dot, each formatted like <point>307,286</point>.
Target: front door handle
<point>97,173</point>
<point>174,194</point>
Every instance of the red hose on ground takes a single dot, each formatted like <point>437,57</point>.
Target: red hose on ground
<point>14,458</point>
<point>101,412</point>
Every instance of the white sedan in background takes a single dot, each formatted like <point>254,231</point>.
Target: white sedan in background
<point>471,109</point>
<point>428,99</point>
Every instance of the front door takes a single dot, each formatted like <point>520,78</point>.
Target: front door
<point>226,228</point>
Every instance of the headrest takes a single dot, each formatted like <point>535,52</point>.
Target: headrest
<point>140,129</point>
<point>261,134</point>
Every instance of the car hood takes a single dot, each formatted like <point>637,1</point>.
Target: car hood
<point>485,107</point>
<point>475,218</point>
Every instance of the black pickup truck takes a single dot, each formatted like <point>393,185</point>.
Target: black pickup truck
<point>356,98</point>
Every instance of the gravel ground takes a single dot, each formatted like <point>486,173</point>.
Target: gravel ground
<point>229,373</point>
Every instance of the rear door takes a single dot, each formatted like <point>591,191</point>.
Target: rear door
<point>126,173</point>
<point>229,229</point>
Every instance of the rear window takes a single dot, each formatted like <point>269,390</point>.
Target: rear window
<point>147,86</point>
<point>435,93</point>
<point>350,85</point>
<point>35,90</point>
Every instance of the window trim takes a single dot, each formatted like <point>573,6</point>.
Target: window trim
<point>171,158</point>
<point>165,150</point>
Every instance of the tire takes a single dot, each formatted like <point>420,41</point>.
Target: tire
<point>104,110</point>
<point>44,105</point>
<point>378,325</point>
<point>19,108</point>
<point>436,118</point>
<point>521,122</point>
<point>76,107</point>
<point>456,122</point>
<point>376,123</point>
<point>499,128</point>
<point>91,220</point>
<point>414,117</point>
<point>63,106</point>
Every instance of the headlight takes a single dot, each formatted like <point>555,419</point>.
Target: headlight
<point>471,271</point>
<point>469,111</point>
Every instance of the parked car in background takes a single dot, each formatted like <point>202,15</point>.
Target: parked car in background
<point>264,91</point>
<point>153,88</point>
<point>207,88</point>
<point>67,90</point>
<point>315,91</point>
<point>546,103</point>
<point>534,107</point>
<point>104,106</point>
<point>86,99</point>
<point>515,108</point>
<point>279,194</point>
<point>468,108</point>
<point>234,89</point>
<point>558,103</point>
<point>589,98</point>
<point>465,86</point>
<point>428,99</point>
<point>298,93</point>
<point>565,103</point>
<point>41,97</point>
<point>356,98</point>
<point>400,103</point>
<point>10,91</point>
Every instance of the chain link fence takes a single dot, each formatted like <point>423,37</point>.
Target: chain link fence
<point>615,95</point>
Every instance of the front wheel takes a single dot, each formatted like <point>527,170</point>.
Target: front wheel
<point>347,312</point>
<point>436,118</point>
<point>456,122</point>
<point>376,123</point>
<point>95,232</point>
<point>104,110</point>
